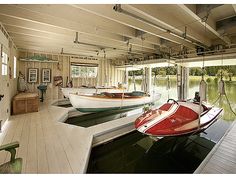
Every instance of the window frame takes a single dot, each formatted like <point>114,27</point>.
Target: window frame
<point>14,66</point>
<point>79,74</point>
<point>4,59</point>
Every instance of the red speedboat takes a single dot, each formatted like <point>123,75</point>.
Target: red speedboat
<point>177,118</point>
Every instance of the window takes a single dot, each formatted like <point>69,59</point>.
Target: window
<point>83,71</point>
<point>14,67</point>
<point>4,64</point>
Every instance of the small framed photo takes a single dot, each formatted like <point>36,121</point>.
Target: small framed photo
<point>46,75</point>
<point>58,80</point>
<point>32,75</point>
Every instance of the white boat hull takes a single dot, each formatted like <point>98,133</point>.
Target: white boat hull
<point>85,103</point>
<point>84,90</point>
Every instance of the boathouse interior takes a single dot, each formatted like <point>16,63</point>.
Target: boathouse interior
<point>48,47</point>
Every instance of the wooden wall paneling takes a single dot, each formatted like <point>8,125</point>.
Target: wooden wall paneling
<point>105,67</point>
<point>103,72</point>
<point>54,67</point>
<point>57,73</point>
<point>100,72</point>
<point>79,82</point>
<point>49,85</point>
<point>109,67</point>
<point>61,74</point>
<point>118,75</point>
<point>112,76</point>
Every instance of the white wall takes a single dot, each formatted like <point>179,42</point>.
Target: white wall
<point>8,86</point>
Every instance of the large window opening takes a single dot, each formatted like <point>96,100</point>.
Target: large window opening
<point>14,67</point>
<point>84,70</point>
<point>4,64</point>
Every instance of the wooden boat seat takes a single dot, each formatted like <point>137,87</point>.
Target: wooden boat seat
<point>14,165</point>
<point>126,95</point>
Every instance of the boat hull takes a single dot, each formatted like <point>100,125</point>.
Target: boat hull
<point>86,103</point>
<point>84,90</point>
<point>176,120</point>
<point>107,109</point>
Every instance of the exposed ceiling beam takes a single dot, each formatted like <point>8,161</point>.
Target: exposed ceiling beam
<point>27,29</point>
<point>83,38</point>
<point>107,11</point>
<point>60,42</point>
<point>206,7</point>
<point>16,15</point>
<point>72,14</point>
<point>163,19</point>
<point>50,24</point>
<point>50,47</point>
<point>12,27</point>
<point>194,16</point>
<point>226,23</point>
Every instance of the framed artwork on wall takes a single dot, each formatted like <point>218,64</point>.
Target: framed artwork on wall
<point>58,81</point>
<point>32,75</point>
<point>46,75</point>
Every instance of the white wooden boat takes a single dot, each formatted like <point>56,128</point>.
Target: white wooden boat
<point>89,90</point>
<point>111,101</point>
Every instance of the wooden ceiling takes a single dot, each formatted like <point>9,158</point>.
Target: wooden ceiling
<point>129,31</point>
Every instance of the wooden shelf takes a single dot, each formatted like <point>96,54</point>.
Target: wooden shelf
<point>44,61</point>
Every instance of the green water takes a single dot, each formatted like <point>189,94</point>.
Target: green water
<point>137,153</point>
<point>88,120</point>
<point>212,93</point>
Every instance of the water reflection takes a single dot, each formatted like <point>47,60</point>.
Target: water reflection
<point>212,93</point>
<point>137,153</point>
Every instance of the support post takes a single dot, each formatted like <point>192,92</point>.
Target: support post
<point>182,82</point>
<point>147,79</point>
<point>126,79</point>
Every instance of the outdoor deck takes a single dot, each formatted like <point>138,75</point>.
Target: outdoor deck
<point>48,145</point>
<point>222,158</point>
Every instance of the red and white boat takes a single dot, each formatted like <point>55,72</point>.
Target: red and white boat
<point>177,118</point>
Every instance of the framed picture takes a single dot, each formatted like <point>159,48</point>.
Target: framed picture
<point>32,75</point>
<point>58,80</point>
<point>46,75</point>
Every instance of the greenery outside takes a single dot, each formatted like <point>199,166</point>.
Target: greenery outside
<point>212,73</point>
<point>83,71</point>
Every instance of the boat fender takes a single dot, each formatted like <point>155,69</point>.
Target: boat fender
<point>203,90</point>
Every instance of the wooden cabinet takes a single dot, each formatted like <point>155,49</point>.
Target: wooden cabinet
<point>25,102</point>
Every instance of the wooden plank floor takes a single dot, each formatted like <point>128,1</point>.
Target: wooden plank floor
<point>222,158</point>
<point>46,145</point>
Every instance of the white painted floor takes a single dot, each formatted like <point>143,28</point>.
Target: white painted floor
<point>50,146</point>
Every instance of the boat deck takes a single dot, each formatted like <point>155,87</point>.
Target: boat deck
<point>48,145</point>
<point>222,158</point>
